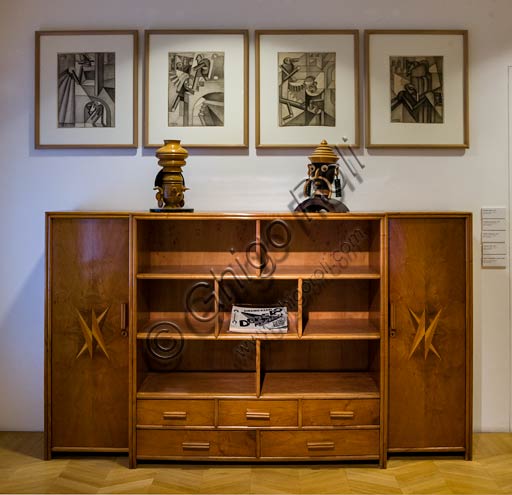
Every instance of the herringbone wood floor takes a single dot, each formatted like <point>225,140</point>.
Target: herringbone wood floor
<point>22,470</point>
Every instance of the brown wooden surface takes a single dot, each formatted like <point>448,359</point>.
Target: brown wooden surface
<point>176,412</point>
<point>319,384</point>
<point>342,358</point>
<point>193,443</point>
<point>318,327</point>
<point>201,243</point>
<point>319,443</point>
<point>87,270</point>
<point>262,413</point>
<point>204,384</point>
<point>315,355</point>
<point>355,412</point>
<point>427,272</point>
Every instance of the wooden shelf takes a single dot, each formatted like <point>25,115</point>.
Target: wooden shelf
<point>320,384</point>
<point>327,272</point>
<point>227,272</point>
<point>197,384</point>
<point>226,334</point>
<point>158,272</point>
<point>188,328</point>
<point>341,328</point>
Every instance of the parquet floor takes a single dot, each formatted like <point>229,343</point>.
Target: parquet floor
<point>22,470</point>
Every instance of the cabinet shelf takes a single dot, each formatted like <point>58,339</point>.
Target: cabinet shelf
<point>343,385</point>
<point>322,271</point>
<point>291,334</point>
<point>341,328</point>
<point>189,327</point>
<point>197,384</point>
<point>228,272</point>
<point>205,271</point>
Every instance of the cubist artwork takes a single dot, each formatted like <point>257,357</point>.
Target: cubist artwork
<point>86,89</point>
<point>196,89</point>
<point>417,95</point>
<point>307,89</point>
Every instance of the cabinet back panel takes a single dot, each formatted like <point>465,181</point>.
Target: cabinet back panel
<point>201,355</point>
<point>314,356</point>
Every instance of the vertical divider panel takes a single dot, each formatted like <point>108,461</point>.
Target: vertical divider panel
<point>258,367</point>
<point>132,350</point>
<point>383,224</point>
<point>48,342</point>
<point>217,306</point>
<point>258,246</point>
<point>299,309</point>
<point>469,336</point>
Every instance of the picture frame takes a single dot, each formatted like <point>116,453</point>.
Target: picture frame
<point>307,88</point>
<point>416,88</point>
<point>86,89</point>
<point>196,88</point>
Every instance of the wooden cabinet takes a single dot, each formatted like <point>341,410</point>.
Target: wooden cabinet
<point>168,380</point>
<point>430,343</point>
<point>259,396</point>
<point>86,333</point>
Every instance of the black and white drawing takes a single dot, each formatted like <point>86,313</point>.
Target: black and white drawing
<point>86,89</point>
<point>417,89</point>
<point>247,319</point>
<point>196,89</point>
<point>307,89</point>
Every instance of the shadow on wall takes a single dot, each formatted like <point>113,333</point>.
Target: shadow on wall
<point>22,356</point>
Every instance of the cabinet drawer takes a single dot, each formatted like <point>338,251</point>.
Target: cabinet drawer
<point>340,412</point>
<point>324,443</point>
<point>195,443</point>
<point>176,412</point>
<point>257,413</point>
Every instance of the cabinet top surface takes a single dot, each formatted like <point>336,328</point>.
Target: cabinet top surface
<point>256,215</point>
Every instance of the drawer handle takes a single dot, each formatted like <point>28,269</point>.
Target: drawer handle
<point>320,445</point>
<point>250,414</point>
<point>342,414</point>
<point>195,445</point>
<point>175,415</point>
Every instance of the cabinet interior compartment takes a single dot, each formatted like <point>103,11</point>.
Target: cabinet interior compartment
<point>320,368</point>
<point>348,308</point>
<point>187,368</point>
<point>188,305</point>
<point>308,247</point>
<point>258,293</point>
<point>207,246</point>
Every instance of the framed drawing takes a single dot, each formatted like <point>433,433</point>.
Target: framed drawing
<point>416,89</point>
<point>196,88</point>
<point>86,89</point>
<point>307,88</point>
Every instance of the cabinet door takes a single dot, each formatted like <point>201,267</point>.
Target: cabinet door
<point>429,344</point>
<point>87,340</point>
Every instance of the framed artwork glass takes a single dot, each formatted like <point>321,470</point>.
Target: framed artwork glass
<point>196,88</point>
<point>416,89</point>
<point>307,88</point>
<point>86,89</point>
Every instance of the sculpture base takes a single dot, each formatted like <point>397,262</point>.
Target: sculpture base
<point>319,204</point>
<point>171,210</point>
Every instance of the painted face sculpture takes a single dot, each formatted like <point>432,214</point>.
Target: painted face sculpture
<point>324,178</point>
<point>323,173</point>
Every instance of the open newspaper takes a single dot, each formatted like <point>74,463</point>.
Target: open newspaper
<point>250,319</point>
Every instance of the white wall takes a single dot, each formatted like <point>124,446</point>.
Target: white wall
<point>35,181</point>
